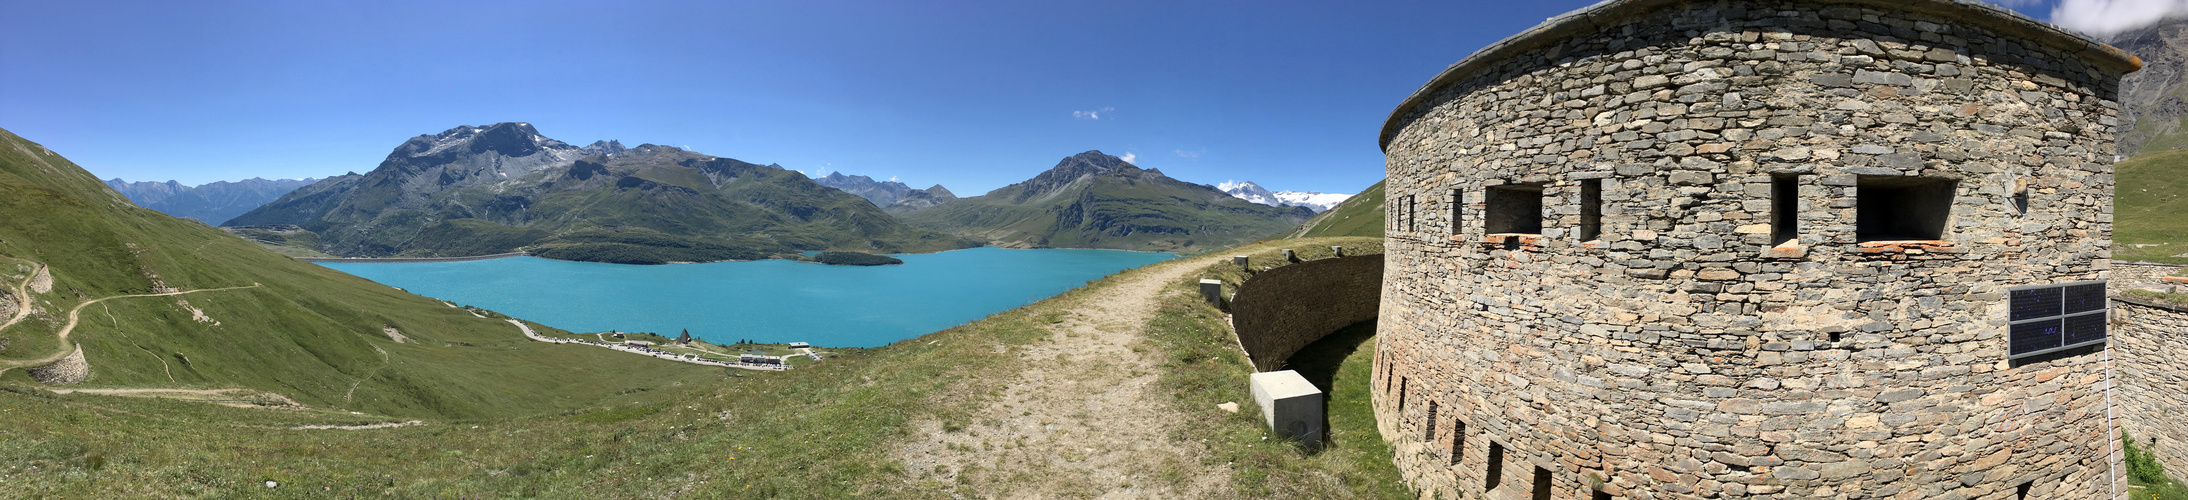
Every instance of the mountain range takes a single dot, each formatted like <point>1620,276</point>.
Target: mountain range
<point>1094,200</point>
<point>504,187</point>
<point>890,195</point>
<point>1313,200</point>
<point>212,203</point>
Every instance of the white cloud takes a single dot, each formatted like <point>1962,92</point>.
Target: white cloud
<point>1128,157</point>
<point>1188,154</point>
<point>1092,114</point>
<point>892,178</point>
<point>2104,18</point>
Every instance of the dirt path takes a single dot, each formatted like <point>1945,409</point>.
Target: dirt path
<point>240,398</point>
<point>75,315</point>
<point>388,425</point>
<point>22,298</point>
<point>1083,416</point>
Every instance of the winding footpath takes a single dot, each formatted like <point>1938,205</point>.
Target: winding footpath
<point>22,298</point>
<point>75,317</point>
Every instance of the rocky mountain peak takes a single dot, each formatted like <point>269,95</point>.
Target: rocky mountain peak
<point>1087,164</point>
<point>608,147</point>
<point>510,139</point>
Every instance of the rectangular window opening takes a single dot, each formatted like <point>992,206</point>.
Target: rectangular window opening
<point>1458,207</point>
<point>1458,441</point>
<point>1785,209</point>
<point>1542,484</point>
<point>1513,208</point>
<point>2020,196</point>
<point>1896,208</point>
<point>1401,396</point>
<point>1601,495</point>
<point>1412,213</point>
<point>1431,422</point>
<point>1495,475</point>
<point>1591,209</point>
<point>2021,492</point>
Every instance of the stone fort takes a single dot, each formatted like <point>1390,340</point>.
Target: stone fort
<point>1698,249</point>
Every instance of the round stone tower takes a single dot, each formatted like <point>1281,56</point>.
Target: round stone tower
<point>1681,249</point>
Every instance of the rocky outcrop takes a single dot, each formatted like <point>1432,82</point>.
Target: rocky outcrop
<point>2151,105</point>
<point>68,371</point>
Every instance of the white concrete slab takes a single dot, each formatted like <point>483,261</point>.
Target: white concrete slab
<point>1290,404</point>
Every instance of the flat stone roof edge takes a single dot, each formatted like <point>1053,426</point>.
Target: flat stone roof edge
<point>1612,12</point>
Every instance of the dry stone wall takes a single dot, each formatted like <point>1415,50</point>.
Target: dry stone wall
<point>1773,248</point>
<point>69,370</point>
<point>2138,274</point>
<point>2150,361</point>
<point>1280,310</point>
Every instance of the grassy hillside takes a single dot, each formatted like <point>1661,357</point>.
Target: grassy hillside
<point>830,430</point>
<point>2150,207</point>
<point>244,318</point>
<point>1360,215</point>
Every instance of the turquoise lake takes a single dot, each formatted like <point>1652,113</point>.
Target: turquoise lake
<point>766,301</point>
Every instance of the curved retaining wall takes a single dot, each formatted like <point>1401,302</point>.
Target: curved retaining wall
<point>1651,338</point>
<point>2150,361</point>
<point>1280,310</point>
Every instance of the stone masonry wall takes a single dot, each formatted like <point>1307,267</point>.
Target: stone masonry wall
<point>1280,310</point>
<point>2150,363</point>
<point>1683,352</point>
<point>2136,274</point>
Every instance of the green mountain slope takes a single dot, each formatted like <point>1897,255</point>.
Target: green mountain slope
<point>500,188</point>
<point>1094,200</point>
<point>2150,207</point>
<point>157,302</point>
<point>1360,215</point>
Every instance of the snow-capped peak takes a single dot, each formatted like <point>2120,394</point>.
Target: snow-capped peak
<point>1316,201</point>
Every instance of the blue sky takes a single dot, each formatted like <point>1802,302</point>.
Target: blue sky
<point>970,95</point>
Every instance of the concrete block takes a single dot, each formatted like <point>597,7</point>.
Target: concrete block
<point>1289,256</point>
<point>1290,404</point>
<point>1240,260</point>
<point>1212,290</point>
<point>1337,251</point>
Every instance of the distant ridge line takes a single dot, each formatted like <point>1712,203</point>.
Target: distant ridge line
<point>413,259</point>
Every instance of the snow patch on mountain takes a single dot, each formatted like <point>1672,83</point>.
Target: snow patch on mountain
<point>1313,200</point>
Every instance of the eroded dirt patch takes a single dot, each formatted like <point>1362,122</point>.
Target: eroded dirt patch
<point>1082,419</point>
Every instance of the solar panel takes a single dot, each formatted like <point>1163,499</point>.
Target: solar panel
<point>2083,329</point>
<point>2082,298</point>
<point>2049,318</point>
<point>2034,336</point>
<point>2035,303</point>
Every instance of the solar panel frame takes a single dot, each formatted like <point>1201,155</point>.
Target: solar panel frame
<point>2055,317</point>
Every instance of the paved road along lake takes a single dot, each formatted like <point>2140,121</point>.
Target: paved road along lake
<point>765,301</point>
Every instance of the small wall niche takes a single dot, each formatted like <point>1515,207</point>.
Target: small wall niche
<point>1591,209</point>
<point>1513,208</point>
<point>1785,209</point>
<point>1431,433</point>
<point>1458,208</point>
<point>1894,208</point>
<point>1495,474</point>
<point>1458,441</point>
<point>1542,484</point>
